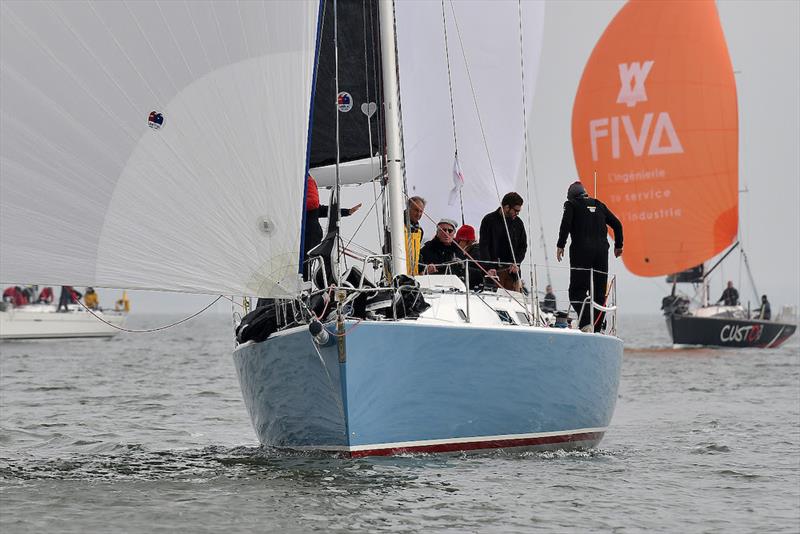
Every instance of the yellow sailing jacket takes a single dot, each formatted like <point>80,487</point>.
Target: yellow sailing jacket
<point>91,301</point>
<point>413,246</point>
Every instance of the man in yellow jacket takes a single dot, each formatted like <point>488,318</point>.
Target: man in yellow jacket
<point>413,234</point>
<point>90,299</point>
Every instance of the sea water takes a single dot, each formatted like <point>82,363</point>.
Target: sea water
<point>148,433</point>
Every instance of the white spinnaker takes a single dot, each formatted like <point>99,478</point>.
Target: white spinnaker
<point>491,50</point>
<point>212,201</point>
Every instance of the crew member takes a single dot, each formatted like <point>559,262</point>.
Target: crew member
<point>730,297</point>
<point>585,220</point>
<point>90,299</point>
<point>503,242</point>
<point>764,313</point>
<point>465,239</point>
<point>442,250</point>
<point>549,302</point>
<point>313,229</point>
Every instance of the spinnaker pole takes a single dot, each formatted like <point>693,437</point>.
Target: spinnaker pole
<point>394,163</point>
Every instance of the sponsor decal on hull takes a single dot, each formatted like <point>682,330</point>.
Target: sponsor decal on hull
<point>735,333</point>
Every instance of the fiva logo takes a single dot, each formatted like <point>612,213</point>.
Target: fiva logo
<point>662,136</point>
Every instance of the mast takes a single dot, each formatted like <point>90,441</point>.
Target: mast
<point>393,142</point>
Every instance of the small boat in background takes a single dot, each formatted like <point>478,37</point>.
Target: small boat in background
<point>712,324</point>
<point>43,320</point>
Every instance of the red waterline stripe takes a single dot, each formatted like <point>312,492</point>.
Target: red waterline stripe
<point>475,445</point>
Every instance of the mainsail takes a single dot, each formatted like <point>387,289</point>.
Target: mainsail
<point>655,116</point>
<point>483,40</point>
<point>155,145</point>
<point>358,101</point>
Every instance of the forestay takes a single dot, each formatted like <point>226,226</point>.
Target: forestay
<point>203,195</point>
<point>483,39</point>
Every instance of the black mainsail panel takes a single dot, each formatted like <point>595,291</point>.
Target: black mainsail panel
<point>358,101</point>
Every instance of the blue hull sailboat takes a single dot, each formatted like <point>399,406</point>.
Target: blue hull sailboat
<point>190,129</point>
<point>424,386</point>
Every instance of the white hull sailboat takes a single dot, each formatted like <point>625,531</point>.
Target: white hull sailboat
<point>42,321</point>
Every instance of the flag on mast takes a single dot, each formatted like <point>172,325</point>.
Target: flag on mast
<point>458,182</point>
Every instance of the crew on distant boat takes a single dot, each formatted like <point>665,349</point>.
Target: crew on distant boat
<point>465,239</point>
<point>314,211</point>
<point>15,295</point>
<point>549,303</point>
<point>497,229</point>
<point>30,293</point>
<point>123,304</point>
<point>45,296</point>
<point>730,297</point>
<point>90,299</point>
<point>441,251</point>
<point>586,219</point>
<point>68,296</point>
<point>764,313</point>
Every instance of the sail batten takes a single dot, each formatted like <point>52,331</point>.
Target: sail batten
<point>155,145</point>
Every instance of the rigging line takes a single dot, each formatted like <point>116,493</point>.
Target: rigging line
<point>452,107</point>
<point>148,330</point>
<point>374,203</point>
<point>337,186</point>
<point>381,123</point>
<point>369,121</point>
<point>534,289</point>
<point>483,132</point>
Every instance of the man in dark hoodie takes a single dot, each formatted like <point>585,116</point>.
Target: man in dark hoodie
<point>585,220</point>
<point>497,229</point>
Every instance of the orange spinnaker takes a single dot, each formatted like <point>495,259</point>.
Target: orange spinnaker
<point>655,115</point>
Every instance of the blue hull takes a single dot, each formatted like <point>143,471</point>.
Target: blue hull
<point>409,386</point>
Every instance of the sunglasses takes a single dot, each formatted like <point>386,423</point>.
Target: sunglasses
<point>447,229</point>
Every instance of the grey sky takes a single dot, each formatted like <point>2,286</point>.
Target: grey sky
<point>764,43</point>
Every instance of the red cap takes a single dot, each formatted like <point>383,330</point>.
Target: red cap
<point>465,233</point>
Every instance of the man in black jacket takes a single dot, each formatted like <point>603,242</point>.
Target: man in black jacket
<point>442,250</point>
<point>730,297</point>
<point>585,220</point>
<point>496,251</point>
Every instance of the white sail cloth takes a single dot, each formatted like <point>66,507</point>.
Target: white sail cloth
<point>209,202</point>
<point>489,63</point>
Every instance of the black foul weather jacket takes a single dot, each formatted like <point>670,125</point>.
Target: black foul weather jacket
<point>494,240</point>
<point>437,253</point>
<point>586,221</point>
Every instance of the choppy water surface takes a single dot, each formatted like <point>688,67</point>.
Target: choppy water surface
<point>147,433</point>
